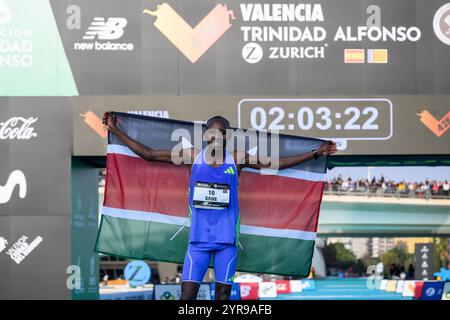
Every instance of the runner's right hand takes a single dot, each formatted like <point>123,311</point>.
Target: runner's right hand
<point>109,121</point>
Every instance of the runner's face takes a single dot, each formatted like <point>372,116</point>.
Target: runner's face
<point>216,135</point>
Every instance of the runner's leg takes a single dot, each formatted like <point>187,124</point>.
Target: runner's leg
<point>195,266</point>
<point>222,291</point>
<point>189,290</point>
<point>225,260</point>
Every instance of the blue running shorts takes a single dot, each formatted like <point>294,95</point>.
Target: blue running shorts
<point>198,256</point>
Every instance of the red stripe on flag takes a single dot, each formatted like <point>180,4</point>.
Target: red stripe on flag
<point>279,202</point>
<point>137,184</point>
<point>264,201</point>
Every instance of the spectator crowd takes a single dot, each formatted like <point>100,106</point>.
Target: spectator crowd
<point>381,186</point>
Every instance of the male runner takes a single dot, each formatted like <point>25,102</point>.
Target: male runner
<point>213,200</point>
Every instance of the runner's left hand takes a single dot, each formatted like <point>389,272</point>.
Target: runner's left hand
<point>327,148</point>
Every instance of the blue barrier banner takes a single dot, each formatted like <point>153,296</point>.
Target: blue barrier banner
<point>432,290</point>
<point>308,285</point>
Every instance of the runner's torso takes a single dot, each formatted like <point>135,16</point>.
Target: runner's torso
<point>213,201</point>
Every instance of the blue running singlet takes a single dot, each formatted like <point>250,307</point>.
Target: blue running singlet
<point>218,225</point>
<point>214,212</point>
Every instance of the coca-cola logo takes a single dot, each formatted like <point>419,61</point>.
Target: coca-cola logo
<point>19,128</point>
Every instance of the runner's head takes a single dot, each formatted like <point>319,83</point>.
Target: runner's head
<point>218,121</point>
<point>216,130</point>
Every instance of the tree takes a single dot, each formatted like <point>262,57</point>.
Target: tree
<point>329,254</point>
<point>360,267</point>
<point>337,256</point>
<point>343,254</point>
<point>440,253</point>
<point>398,256</point>
<point>401,245</point>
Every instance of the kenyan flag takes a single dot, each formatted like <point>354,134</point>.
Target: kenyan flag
<point>146,203</point>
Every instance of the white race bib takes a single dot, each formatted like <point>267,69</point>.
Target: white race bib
<point>211,195</point>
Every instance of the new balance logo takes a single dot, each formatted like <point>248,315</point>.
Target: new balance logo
<point>101,34</point>
<point>229,170</point>
<point>112,29</point>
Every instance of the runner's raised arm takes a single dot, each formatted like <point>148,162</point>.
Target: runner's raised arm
<point>141,150</point>
<point>327,147</point>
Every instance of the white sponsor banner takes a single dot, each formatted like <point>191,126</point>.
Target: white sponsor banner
<point>391,286</point>
<point>383,284</point>
<point>296,285</point>
<point>173,292</point>
<point>246,278</point>
<point>133,295</point>
<point>446,291</point>
<point>400,284</point>
<point>267,289</point>
<point>408,288</point>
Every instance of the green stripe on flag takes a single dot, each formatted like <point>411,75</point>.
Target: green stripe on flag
<point>263,254</point>
<point>138,239</point>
